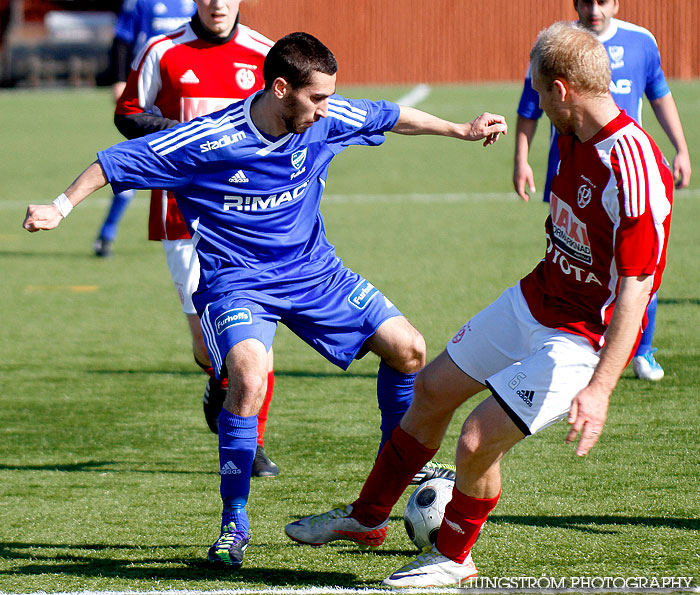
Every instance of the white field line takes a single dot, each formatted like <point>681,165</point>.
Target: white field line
<point>414,96</point>
<point>346,591</point>
<point>103,201</point>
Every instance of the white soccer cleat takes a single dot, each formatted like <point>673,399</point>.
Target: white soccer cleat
<point>646,367</point>
<point>335,524</point>
<point>432,569</point>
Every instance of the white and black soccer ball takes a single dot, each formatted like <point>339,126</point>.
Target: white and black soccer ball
<point>424,511</point>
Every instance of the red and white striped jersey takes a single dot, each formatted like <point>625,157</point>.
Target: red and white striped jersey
<point>610,215</point>
<point>181,76</point>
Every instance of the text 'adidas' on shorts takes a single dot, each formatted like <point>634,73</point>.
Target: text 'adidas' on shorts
<point>533,371</point>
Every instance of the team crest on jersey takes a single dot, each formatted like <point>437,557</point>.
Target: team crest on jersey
<point>570,233</point>
<point>362,295</point>
<point>583,197</point>
<point>617,54</point>
<point>234,317</point>
<point>245,78</point>
<point>298,158</point>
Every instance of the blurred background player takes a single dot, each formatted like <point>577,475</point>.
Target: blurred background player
<point>138,21</point>
<point>202,67</point>
<point>635,65</point>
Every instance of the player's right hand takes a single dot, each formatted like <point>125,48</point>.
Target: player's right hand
<point>522,174</point>
<point>41,217</point>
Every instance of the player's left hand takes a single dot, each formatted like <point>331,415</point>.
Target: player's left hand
<point>587,416</point>
<point>41,217</point>
<point>487,126</point>
<point>681,170</point>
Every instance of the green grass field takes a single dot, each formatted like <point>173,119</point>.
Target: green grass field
<point>109,475</point>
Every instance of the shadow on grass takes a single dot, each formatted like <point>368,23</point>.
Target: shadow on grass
<point>108,467</point>
<point>198,372</point>
<point>595,523</point>
<point>678,301</point>
<point>161,568</point>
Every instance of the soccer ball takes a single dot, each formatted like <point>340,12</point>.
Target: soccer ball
<point>424,511</point>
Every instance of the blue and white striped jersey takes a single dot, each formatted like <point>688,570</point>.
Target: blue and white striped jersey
<point>251,201</point>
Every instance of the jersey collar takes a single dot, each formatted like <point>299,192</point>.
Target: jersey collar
<point>610,33</point>
<point>269,144</point>
<point>205,35</point>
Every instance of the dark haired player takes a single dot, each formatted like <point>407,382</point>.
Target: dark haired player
<point>248,180</point>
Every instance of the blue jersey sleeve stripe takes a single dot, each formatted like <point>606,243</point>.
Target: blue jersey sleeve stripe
<point>349,106</point>
<point>360,117</point>
<point>181,132</point>
<point>198,130</point>
<point>195,137</point>
<point>342,118</point>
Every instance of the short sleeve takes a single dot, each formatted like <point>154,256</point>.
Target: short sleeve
<point>529,106</point>
<point>360,121</point>
<point>656,85</point>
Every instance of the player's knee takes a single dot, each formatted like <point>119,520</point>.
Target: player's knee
<point>412,352</point>
<point>427,398</point>
<point>246,392</point>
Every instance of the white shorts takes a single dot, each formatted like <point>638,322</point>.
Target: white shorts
<point>184,270</point>
<point>533,371</point>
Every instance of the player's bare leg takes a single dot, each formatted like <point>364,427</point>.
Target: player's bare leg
<point>399,345</point>
<point>487,434</point>
<point>215,393</point>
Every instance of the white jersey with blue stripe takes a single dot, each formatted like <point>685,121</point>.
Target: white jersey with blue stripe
<point>251,201</point>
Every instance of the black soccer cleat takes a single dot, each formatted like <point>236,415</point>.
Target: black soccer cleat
<point>103,248</point>
<point>433,470</point>
<point>263,466</point>
<point>212,402</point>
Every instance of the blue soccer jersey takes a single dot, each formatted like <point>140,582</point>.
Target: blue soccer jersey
<point>139,20</point>
<point>635,67</point>
<point>251,201</point>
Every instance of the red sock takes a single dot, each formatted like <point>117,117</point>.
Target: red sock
<point>209,371</point>
<point>464,517</point>
<point>399,460</point>
<point>262,415</point>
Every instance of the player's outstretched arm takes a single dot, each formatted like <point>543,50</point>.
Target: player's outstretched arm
<point>49,216</point>
<point>590,406</point>
<point>666,113</point>
<point>522,172</point>
<point>486,126</point>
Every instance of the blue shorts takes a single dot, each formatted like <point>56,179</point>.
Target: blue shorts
<point>335,317</point>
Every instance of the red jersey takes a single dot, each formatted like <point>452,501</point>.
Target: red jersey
<point>610,215</point>
<point>181,76</point>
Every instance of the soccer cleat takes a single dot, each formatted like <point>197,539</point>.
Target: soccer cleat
<point>433,470</point>
<point>103,248</point>
<point>333,525</point>
<point>646,367</point>
<point>432,569</point>
<point>229,548</point>
<point>212,402</point>
<point>263,466</point>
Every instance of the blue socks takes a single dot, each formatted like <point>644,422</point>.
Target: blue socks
<point>394,394</point>
<point>237,445</point>
<point>648,334</point>
<point>120,202</point>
